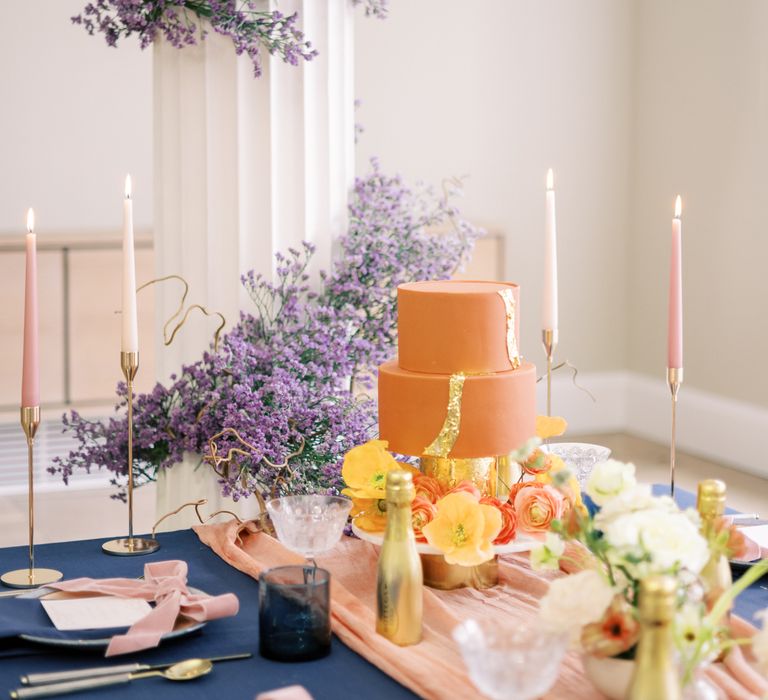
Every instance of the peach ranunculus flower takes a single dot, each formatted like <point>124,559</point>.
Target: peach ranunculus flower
<point>538,462</point>
<point>508,519</point>
<point>537,507</point>
<point>365,470</point>
<point>520,485</point>
<point>467,487</point>
<point>369,514</point>
<point>423,512</point>
<point>464,529</point>
<point>428,487</point>
<point>569,487</point>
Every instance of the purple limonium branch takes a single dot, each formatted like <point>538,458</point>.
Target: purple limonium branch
<point>185,22</point>
<point>286,373</point>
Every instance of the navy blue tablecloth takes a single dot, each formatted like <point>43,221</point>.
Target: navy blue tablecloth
<point>343,674</point>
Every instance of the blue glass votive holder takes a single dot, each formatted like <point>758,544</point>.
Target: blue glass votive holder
<point>294,613</point>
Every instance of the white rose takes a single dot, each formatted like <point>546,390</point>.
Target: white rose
<point>574,601</point>
<point>669,538</point>
<point>610,479</point>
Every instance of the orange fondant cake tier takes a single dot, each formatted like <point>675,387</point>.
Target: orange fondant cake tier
<point>455,326</point>
<point>498,411</point>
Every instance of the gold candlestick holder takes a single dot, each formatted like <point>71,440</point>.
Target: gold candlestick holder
<point>30,577</point>
<point>549,338</point>
<point>674,380</point>
<point>130,546</point>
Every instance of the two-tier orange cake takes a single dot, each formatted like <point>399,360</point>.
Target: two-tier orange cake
<point>458,387</point>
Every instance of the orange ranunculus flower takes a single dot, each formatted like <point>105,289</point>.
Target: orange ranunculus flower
<point>464,529</point>
<point>423,512</point>
<point>508,524</point>
<point>538,462</point>
<point>369,514</point>
<point>615,633</point>
<point>508,519</point>
<point>550,426</point>
<point>365,470</point>
<point>536,508</point>
<point>428,487</point>
<point>467,487</point>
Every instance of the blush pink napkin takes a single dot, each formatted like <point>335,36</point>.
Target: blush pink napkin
<point>165,583</point>
<point>291,692</point>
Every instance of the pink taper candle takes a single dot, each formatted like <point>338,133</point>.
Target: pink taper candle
<point>30,378</point>
<point>675,336</point>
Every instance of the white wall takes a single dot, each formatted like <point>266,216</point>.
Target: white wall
<point>76,116</point>
<point>629,100</point>
<point>702,130</point>
<point>500,91</point>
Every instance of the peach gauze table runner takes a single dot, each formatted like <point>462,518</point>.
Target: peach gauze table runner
<point>432,669</point>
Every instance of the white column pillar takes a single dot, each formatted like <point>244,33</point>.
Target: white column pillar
<point>245,167</point>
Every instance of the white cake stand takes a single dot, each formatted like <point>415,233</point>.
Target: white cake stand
<point>522,543</point>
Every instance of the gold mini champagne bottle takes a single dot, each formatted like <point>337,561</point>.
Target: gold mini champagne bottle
<point>656,676</point>
<point>716,574</point>
<point>399,579</point>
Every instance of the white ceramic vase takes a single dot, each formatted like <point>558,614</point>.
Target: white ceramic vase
<point>190,480</point>
<point>610,676</point>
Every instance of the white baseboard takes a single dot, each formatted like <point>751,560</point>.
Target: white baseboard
<point>708,425</point>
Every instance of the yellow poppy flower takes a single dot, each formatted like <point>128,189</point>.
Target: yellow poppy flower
<point>464,529</point>
<point>550,426</point>
<point>369,514</point>
<point>365,470</point>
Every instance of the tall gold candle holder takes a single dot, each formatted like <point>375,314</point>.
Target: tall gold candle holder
<point>674,380</point>
<point>30,577</point>
<point>549,338</point>
<point>130,546</point>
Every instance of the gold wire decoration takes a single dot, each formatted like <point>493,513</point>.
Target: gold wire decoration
<point>443,444</point>
<point>168,339</point>
<point>508,297</point>
<point>216,460</point>
<point>196,505</point>
<point>575,374</point>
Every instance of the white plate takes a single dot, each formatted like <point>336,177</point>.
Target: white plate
<point>183,626</point>
<point>522,543</point>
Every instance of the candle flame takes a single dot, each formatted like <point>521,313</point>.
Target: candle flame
<point>550,179</point>
<point>30,220</point>
<point>127,186</point>
<point>678,207</point>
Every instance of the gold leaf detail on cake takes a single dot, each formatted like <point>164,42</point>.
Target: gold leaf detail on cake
<point>508,297</point>
<point>443,444</point>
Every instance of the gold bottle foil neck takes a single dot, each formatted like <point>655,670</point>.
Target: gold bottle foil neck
<point>657,599</point>
<point>710,500</point>
<point>400,487</point>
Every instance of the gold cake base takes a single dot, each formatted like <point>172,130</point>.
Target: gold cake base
<point>130,546</point>
<point>481,471</point>
<point>30,578</point>
<point>447,577</point>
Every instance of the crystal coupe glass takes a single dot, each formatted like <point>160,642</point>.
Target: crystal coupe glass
<point>309,525</point>
<point>510,661</point>
<point>580,456</point>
